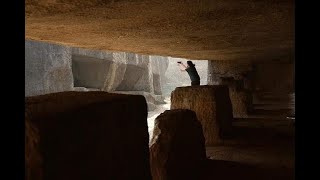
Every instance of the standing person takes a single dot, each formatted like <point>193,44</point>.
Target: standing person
<point>192,71</point>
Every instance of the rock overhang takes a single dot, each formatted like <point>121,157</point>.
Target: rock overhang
<point>210,30</point>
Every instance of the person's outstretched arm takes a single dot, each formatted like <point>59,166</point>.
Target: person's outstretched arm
<point>182,66</point>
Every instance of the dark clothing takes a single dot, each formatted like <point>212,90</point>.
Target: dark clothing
<point>194,76</point>
<point>195,83</point>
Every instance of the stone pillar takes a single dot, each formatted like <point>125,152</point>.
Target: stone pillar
<point>213,108</point>
<point>238,77</point>
<point>159,66</point>
<point>240,97</point>
<point>177,148</point>
<point>88,135</point>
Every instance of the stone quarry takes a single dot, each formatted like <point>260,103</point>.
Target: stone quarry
<point>105,98</point>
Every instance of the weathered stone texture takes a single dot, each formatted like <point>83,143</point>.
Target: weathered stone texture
<point>222,69</point>
<point>138,74</point>
<point>159,65</point>
<point>177,148</point>
<point>90,135</point>
<point>54,68</point>
<point>109,72</point>
<point>240,97</point>
<point>241,103</point>
<point>47,68</point>
<point>213,108</point>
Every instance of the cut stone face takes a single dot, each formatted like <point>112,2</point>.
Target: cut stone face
<point>212,106</point>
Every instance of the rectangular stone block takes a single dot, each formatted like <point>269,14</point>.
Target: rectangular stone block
<point>86,135</point>
<point>213,108</point>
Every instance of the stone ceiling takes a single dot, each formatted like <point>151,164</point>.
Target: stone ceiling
<point>194,29</point>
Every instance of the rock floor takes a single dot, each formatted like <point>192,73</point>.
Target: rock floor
<point>262,146</point>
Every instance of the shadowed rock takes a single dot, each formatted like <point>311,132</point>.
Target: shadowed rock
<point>88,135</point>
<point>177,147</point>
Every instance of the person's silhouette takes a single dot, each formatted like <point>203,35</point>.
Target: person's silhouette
<point>192,71</point>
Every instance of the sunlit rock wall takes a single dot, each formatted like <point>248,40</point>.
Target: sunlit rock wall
<point>55,68</point>
<point>47,68</point>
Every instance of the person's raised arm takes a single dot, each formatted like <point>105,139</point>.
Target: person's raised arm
<point>182,66</point>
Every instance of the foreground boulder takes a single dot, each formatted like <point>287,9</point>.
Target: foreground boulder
<point>177,149</point>
<point>212,106</point>
<point>87,135</point>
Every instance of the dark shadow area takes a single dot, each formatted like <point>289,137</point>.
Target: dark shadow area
<point>227,170</point>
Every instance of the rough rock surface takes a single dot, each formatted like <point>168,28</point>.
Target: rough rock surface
<point>52,68</point>
<point>47,68</point>
<point>90,135</point>
<point>241,98</point>
<point>241,102</point>
<point>177,148</point>
<point>261,76</point>
<point>193,29</point>
<point>213,108</point>
<point>109,72</point>
<point>159,66</point>
<point>247,79</point>
<point>231,69</point>
<point>138,74</point>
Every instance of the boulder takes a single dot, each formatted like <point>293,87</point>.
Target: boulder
<point>177,148</point>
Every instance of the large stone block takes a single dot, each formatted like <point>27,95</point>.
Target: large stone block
<point>98,69</point>
<point>138,74</point>
<point>177,148</point>
<point>87,135</point>
<point>241,98</point>
<point>213,108</point>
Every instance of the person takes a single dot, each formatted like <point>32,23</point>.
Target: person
<point>192,71</point>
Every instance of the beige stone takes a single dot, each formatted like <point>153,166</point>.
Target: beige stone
<point>213,108</point>
<point>241,102</point>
